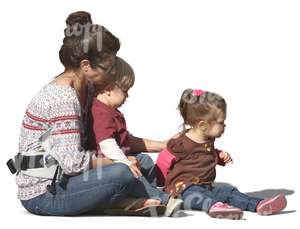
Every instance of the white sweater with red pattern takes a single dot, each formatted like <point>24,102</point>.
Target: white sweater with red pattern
<point>55,107</point>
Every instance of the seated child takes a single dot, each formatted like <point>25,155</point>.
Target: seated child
<point>193,172</point>
<point>114,141</point>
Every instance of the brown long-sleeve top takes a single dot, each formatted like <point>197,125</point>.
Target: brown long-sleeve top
<point>195,164</point>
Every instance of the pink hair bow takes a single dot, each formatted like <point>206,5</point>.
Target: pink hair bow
<point>197,92</point>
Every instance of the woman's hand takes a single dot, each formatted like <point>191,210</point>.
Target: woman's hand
<point>225,156</point>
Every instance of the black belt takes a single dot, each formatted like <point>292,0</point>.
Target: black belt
<point>23,162</point>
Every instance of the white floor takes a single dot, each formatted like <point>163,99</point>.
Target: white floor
<point>13,213</point>
<point>287,219</point>
<point>248,51</point>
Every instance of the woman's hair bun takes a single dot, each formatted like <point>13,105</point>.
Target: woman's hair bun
<point>80,17</point>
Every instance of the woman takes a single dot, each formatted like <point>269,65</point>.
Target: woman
<point>58,110</point>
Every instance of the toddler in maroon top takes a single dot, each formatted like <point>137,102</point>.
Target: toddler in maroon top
<point>109,123</point>
<point>113,140</point>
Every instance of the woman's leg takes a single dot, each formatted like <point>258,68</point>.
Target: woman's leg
<point>142,188</point>
<point>102,187</point>
<point>234,197</point>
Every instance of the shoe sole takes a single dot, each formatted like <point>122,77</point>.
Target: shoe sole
<point>272,206</point>
<point>226,215</point>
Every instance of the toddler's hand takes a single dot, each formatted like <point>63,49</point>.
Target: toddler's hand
<point>135,171</point>
<point>225,156</point>
<point>134,161</point>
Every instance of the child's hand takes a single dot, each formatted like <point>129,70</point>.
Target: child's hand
<point>135,166</point>
<point>135,171</point>
<point>225,156</point>
<point>134,161</point>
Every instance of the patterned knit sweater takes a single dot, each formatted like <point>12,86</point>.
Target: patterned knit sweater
<point>56,107</point>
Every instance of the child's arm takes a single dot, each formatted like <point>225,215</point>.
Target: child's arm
<point>223,157</point>
<point>137,145</point>
<point>110,148</point>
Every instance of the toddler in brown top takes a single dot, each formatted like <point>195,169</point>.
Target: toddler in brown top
<point>192,174</point>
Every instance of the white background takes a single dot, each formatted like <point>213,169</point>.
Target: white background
<point>247,51</point>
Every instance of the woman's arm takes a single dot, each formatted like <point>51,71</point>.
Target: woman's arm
<point>65,137</point>
<point>137,145</point>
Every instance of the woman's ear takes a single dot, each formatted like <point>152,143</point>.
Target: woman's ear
<point>85,65</point>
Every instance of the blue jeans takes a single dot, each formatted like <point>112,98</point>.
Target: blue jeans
<point>147,167</point>
<point>95,189</point>
<point>103,187</point>
<point>145,186</point>
<point>202,197</point>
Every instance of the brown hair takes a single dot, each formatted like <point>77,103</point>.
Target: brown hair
<point>85,40</point>
<point>194,107</point>
<point>121,76</point>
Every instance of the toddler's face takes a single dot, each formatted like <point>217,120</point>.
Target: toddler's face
<point>217,127</point>
<point>118,97</point>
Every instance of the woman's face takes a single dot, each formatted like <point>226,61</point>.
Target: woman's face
<point>94,75</point>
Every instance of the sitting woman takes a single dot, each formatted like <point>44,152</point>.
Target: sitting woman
<point>52,132</point>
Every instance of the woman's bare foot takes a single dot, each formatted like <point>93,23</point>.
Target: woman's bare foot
<point>137,203</point>
<point>151,202</point>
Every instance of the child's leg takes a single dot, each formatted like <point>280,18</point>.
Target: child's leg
<point>234,197</point>
<point>142,188</point>
<point>198,197</point>
<point>147,167</point>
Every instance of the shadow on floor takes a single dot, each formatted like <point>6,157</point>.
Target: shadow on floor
<point>265,193</point>
<point>268,193</point>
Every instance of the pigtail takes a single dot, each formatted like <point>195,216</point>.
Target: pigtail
<point>183,106</point>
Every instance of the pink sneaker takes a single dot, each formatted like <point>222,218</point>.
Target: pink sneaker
<point>271,205</point>
<point>225,211</point>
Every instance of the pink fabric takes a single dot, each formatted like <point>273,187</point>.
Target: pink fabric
<point>198,92</point>
<point>163,164</point>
